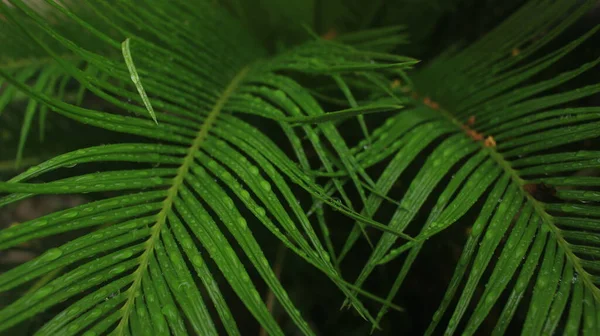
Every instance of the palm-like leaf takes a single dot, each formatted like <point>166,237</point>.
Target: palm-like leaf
<point>195,70</point>
<point>500,140</point>
<point>494,140</point>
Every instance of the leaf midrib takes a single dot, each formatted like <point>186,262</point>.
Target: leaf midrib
<point>538,208</point>
<point>172,193</point>
<point>547,220</point>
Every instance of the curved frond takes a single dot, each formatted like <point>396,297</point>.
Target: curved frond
<point>205,176</point>
<point>500,140</point>
<point>222,136</point>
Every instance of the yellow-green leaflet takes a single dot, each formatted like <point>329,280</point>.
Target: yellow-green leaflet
<point>136,78</point>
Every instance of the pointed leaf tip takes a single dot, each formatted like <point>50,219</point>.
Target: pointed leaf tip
<point>135,78</point>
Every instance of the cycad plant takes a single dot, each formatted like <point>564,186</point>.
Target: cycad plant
<point>207,142</point>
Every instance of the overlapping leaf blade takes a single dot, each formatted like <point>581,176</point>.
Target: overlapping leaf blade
<point>138,267</point>
<point>502,139</point>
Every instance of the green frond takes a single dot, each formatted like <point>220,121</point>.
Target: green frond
<point>515,140</point>
<point>142,266</point>
<point>219,128</point>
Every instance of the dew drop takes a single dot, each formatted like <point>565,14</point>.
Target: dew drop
<point>117,270</point>
<point>197,261</point>
<point>229,202</point>
<point>70,214</point>
<point>112,295</point>
<point>41,222</point>
<point>169,311</point>
<point>95,313</point>
<point>254,170</point>
<point>73,311</point>
<point>231,253</point>
<point>280,94</point>
<point>242,222</point>
<point>226,176</point>
<point>261,211</point>
<point>265,185</point>
<point>73,289</point>
<point>245,194</point>
<point>127,227</point>
<point>575,278</point>
<point>257,296</point>
<point>183,285</point>
<point>52,254</point>
<point>187,243</point>
<point>43,292</point>
<point>99,295</point>
<point>124,255</point>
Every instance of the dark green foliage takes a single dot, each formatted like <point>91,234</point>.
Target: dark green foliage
<point>225,129</point>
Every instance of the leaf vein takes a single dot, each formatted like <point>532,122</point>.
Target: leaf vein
<point>161,217</point>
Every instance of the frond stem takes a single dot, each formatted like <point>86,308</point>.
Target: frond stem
<point>548,221</point>
<point>538,207</point>
<point>161,217</point>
